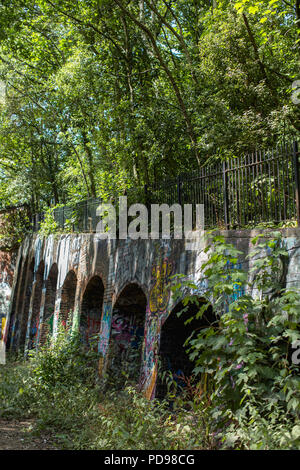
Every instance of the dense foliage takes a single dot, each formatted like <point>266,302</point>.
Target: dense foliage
<point>59,390</point>
<point>243,394</point>
<point>249,353</point>
<point>102,95</point>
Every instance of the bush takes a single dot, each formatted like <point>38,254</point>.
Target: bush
<point>247,351</point>
<point>58,387</point>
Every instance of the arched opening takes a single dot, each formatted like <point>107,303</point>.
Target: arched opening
<point>51,284</point>
<point>13,324</point>
<point>68,299</point>
<point>20,306</point>
<point>28,292</point>
<point>91,309</point>
<point>173,357</point>
<point>36,306</point>
<point>127,333</point>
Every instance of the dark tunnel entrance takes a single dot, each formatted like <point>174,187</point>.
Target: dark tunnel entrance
<point>127,333</point>
<point>68,299</point>
<point>173,357</point>
<point>28,292</point>
<point>51,285</point>
<point>36,306</point>
<point>15,313</point>
<point>91,309</point>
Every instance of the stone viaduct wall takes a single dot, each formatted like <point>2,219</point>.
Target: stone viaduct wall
<point>7,269</point>
<point>76,277</point>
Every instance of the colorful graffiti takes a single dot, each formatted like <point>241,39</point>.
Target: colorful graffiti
<point>158,303</point>
<point>104,335</point>
<point>159,295</point>
<point>149,263</point>
<point>150,353</point>
<point>239,290</point>
<point>2,343</point>
<point>33,334</point>
<point>126,331</point>
<point>7,266</point>
<point>91,326</point>
<point>105,329</point>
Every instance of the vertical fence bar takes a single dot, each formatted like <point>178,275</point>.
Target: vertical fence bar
<point>297,181</point>
<point>260,187</point>
<point>225,193</point>
<point>179,189</point>
<point>85,216</point>
<point>146,196</point>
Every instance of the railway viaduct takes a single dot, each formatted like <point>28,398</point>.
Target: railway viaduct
<point>110,289</point>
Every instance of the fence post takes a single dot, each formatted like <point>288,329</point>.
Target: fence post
<point>85,216</point>
<point>179,195</point>
<point>225,196</point>
<point>146,196</point>
<point>297,180</point>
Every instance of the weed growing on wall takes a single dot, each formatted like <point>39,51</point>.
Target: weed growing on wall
<point>14,225</point>
<point>49,225</point>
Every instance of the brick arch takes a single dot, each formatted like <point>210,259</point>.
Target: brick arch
<point>26,306</point>
<point>91,308</point>
<point>84,283</point>
<point>49,307</point>
<point>125,284</point>
<point>13,322</point>
<point>173,334</point>
<point>128,329</point>
<point>68,293</point>
<point>36,306</point>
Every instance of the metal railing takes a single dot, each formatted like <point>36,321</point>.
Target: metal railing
<point>262,187</point>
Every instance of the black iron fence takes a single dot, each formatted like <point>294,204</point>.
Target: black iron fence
<point>80,217</point>
<point>259,188</point>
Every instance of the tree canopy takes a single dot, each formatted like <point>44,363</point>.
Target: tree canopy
<point>102,95</point>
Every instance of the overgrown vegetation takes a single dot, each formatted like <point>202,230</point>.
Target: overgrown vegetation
<point>249,354</point>
<point>103,95</point>
<point>244,392</point>
<point>14,224</point>
<point>60,389</point>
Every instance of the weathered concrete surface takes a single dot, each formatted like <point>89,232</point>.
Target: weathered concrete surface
<point>7,269</point>
<point>52,276</point>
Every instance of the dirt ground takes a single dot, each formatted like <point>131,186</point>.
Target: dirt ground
<point>16,435</point>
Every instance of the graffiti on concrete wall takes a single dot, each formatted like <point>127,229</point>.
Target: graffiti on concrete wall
<point>33,333</point>
<point>126,331</point>
<point>105,333</point>
<point>91,326</point>
<point>2,325</point>
<point>156,311</point>
<point>239,290</point>
<point>105,328</point>
<point>134,261</point>
<point>159,295</point>
<point>7,266</point>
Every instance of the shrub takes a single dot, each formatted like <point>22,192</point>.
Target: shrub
<point>58,387</point>
<point>247,352</point>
